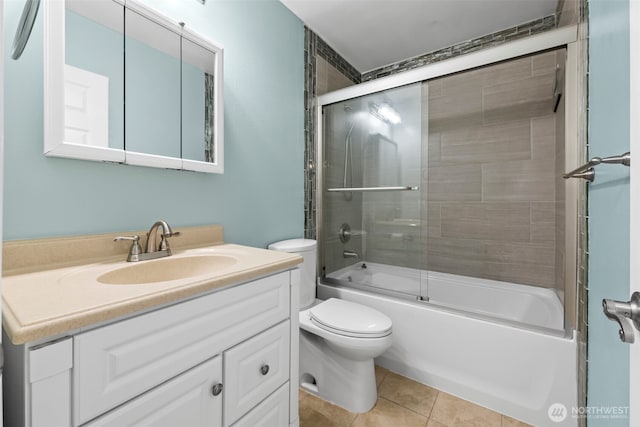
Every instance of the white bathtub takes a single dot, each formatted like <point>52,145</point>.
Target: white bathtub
<point>519,372</point>
<point>521,304</point>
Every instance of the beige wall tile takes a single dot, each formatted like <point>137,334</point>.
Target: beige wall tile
<point>518,180</point>
<point>433,222</point>
<point>434,88</point>
<point>451,112</point>
<point>491,143</point>
<point>543,233</point>
<point>328,78</point>
<point>454,264</point>
<point>471,81</point>
<point>536,254</point>
<point>487,221</point>
<point>433,150</point>
<point>544,63</point>
<point>322,77</point>
<point>527,274</point>
<point>543,139</point>
<point>468,249</point>
<point>518,100</point>
<point>543,212</point>
<point>455,183</point>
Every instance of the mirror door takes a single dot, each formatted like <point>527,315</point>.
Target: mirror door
<point>126,84</point>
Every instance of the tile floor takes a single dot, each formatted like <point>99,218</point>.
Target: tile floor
<point>403,403</point>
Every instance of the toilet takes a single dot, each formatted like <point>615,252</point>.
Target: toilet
<point>338,339</point>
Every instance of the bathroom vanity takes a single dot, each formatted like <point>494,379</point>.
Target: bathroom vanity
<point>219,350</point>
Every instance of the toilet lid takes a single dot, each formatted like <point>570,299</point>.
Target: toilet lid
<point>351,319</point>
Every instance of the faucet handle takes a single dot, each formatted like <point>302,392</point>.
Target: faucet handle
<point>164,243</point>
<point>135,238</point>
<point>135,250</point>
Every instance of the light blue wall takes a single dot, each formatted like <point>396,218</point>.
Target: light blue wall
<point>258,199</point>
<point>608,368</point>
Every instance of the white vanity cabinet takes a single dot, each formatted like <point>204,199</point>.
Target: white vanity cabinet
<point>221,359</point>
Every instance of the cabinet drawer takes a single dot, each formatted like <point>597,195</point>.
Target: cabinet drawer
<point>272,412</point>
<point>120,361</point>
<point>254,370</point>
<point>186,400</point>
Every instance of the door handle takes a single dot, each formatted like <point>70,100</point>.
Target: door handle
<point>627,314</point>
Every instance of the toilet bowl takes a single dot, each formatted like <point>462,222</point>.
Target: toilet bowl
<point>338,340</point>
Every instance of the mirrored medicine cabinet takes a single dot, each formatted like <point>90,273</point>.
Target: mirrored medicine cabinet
<point>126,84</point>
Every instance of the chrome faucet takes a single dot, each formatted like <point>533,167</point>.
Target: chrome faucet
<point>350,254</point>
<point>152,238</point>
<point>152,248</point>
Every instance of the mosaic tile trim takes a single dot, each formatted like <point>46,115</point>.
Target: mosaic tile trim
<point>520,31</point>
<point>209,143</point>
<point>310,43</point>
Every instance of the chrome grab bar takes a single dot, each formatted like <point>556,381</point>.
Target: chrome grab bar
<point>365,189</point>
<point>587,170</point>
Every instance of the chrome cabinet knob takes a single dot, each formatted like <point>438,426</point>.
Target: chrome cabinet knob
<point>264,369</point>
<point>216,389</point>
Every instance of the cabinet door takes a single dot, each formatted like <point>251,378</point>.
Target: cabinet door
<point>254,370</point>
<point>187,400</point>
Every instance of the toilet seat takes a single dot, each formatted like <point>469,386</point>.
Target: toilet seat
<point>350,319</point>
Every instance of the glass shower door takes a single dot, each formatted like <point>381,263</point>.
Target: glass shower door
<point>372,222</point>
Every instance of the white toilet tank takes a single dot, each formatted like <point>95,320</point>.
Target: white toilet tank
<point>307,249</point>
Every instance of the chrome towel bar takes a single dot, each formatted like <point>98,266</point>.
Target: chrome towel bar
<point>365,189</point>
<point>587,170</point>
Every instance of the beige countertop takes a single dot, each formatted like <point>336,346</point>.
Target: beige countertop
<point>47,303</point>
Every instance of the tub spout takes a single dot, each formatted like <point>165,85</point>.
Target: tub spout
<point>350,254</point>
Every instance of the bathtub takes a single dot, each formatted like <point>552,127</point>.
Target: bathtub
<point>499,345</point>
<point>520,305</point>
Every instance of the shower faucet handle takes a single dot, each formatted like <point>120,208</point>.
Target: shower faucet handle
<point>627,314</point>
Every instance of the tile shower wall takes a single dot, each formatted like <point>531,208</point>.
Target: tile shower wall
<point>490,184</point>
<point>315,47</point>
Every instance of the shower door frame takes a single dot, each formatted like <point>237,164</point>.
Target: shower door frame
<point>566,37</point>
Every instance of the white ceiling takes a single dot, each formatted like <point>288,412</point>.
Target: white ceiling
<point>374,33</point>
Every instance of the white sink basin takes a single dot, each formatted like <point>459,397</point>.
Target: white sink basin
<point>166,269</point>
